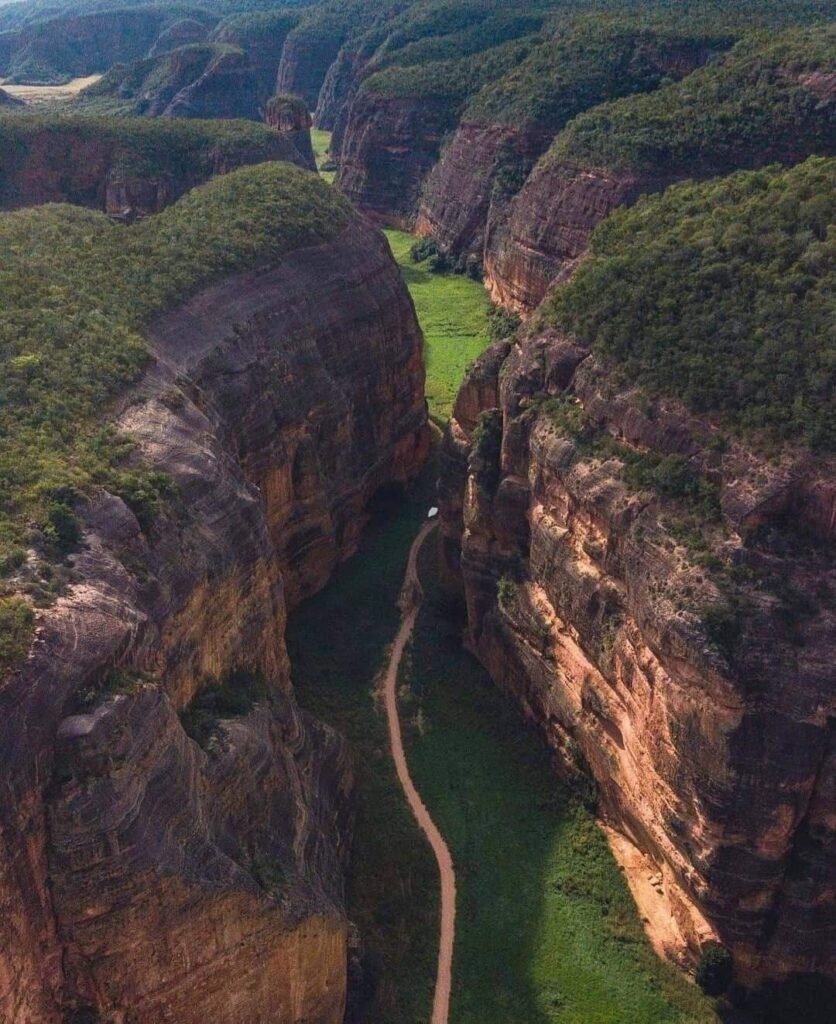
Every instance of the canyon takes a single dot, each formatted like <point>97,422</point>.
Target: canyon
<point>131,174</point>
<point>616,702</point>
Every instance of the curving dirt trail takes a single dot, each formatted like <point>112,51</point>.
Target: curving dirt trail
<point>410,603</point>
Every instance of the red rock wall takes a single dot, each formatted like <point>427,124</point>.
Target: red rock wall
<point>720,768</point>
<point>142,877</point>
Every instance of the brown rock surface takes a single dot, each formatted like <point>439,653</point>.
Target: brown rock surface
<point>715,761</point>
<point>389,145</point>
<point>72,162</point>
<point>141,876</point>
<point>547,228</point>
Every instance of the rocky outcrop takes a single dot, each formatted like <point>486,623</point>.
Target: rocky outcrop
<point>144,877</point>
<point>226,87</point>
<point>289,116</point>
<point>90,164</point>
<point>471,186</point>
<point>338,89</point>
<point>389,146</point>
<point>700,699</point>
<point>306,58</point>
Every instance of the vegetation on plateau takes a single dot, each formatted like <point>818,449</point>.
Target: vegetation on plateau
<point>189,150</point>
<point>587,62</point>
<point>75,290</point>
<point>721,294</point>
<point>743,110</point>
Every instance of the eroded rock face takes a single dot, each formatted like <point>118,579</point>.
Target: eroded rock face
<point>713,754</point>
<point>142,877</point>
<point>469,189</point>
<point>62,164</point>
<point>389,145</point>
<point>290,117</point>
<point>547,228</point>
<point>306,58</point>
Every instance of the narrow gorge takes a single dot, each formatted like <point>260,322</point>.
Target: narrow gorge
<point>417,509</point>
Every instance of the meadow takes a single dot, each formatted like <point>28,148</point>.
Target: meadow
<point>452,311</point>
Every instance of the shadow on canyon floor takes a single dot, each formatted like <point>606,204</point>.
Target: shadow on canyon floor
<point>546,930</point>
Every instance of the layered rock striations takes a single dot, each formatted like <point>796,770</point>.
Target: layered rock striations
<point>719,772</point>
<point>653,586</point>
<point>145,877</point>
<point>130,169</point>
<point>389,145</point>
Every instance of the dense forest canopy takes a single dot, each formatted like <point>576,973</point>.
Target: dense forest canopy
<point>758,103</point>
<point>75,289</point>
<point>722,294</point>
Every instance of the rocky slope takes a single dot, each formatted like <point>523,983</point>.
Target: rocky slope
<point>143,876</point>
<point>721,780</point>
<point>128,170</point>
<point>657,594</point>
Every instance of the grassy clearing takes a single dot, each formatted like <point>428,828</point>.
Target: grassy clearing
<point>546,929</point>
<point>452,311</point>
<point>321,141</point>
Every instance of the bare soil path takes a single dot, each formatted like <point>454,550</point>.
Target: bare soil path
<point>410,603</point>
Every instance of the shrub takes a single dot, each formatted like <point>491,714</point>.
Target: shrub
<point>16,627</point>
<point>502,323</point>
<point>234,696</point>
<point>75,292</point>
<point>715,970</point>
<point>721,294</point>
<point>423,250</point>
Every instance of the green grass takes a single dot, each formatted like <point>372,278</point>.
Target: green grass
<point>321,142</point>
<point>547,931</point>
<point>452,311</point>
<point>337,643</point>
<point>546,928</point>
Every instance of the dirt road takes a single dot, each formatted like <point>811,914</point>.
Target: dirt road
<point>410,602</point>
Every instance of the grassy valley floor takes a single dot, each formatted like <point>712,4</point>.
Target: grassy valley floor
<point>546,930</point>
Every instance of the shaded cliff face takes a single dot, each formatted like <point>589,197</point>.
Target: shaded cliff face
<point>719,768</point>
<point>389,146</point>
<point>289,116</point>
<point>141,874</point>
<point>125,171</point>
<point>470,187</point>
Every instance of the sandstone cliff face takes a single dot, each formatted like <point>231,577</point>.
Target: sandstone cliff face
<point>338,89</point>
<point>306,58</point>
<point>389,146</point>
<point>547,228</point>
<point>714,759</point>
<point>60,164</point>
<point>143,878</point>
<point>470,188</point>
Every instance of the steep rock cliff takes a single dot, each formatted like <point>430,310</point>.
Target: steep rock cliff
<point>143,877</point>
<point>585,603</point>
<point>388,147</point>
<point>547,226</point>
<point>762,103</point>
<point>128,170</point>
